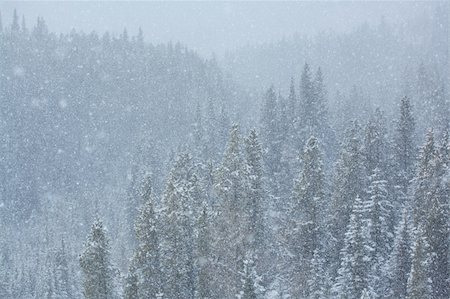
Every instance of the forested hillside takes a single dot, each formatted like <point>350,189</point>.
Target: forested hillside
<point>379,61</point>
<point>133,170</point>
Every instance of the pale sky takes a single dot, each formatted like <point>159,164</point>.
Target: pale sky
<point>210,26</point>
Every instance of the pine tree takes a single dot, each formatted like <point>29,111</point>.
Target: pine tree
<point>423,182</point>
<point>419,282</point>
<point>255,192</point>
<point>270,136</point>
<point>405,144</point>
<point>349,183</point>
<point>356,262</point>
<point>375,144</point>
<point>146,260</point>
<point>399,264</point>
<point>203,256</point>
<point>437,230</point>
<point>380,216</point>
<point>179,197</point>
<point>431,213</point>
<point>308,200</point>
<point>380,230</point>
<point>231,221</point>
<point>95,263</point>
<point>320,101</point>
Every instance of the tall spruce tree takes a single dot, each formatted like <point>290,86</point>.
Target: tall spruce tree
<point>255,193</point>
<point>271,139</point>
<point>375,144</point>
<point>204,270</point>
<point>438,231</point>
<point>145,265</point>
<point>399,264</point>
<point>356,256</point>
<point>405,145</point>
<point>419,281</point>
<point>380,215</point>
<point>177,249</point>
<point>424,179</point>
<point>349,183</point>
<point>231,222</point>
<point>308,201</point>
<point>98,274</point>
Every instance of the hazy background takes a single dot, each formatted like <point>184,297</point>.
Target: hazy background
<point>213,26</point>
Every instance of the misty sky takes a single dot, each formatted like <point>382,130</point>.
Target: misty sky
<point>211,26</point>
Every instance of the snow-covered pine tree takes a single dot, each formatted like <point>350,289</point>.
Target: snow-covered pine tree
<point>203,256</point>
<point>349,182</point>
<point>177,229</point>
<point>380,215</point>
<point>424,179</point>
<point>285,151</point>
<point>98,274</point>
<point>255,193</point>
<point>271,137</point>
<point>419,280</point>
<point>307,198</point>
<point>437,231</point>
<point>375,144</point>
<point>399,264</point>
<point>380,230</point>
<point>356,255</point>
<point>145,265</point>
<point>231,220</point>
<point>323,131</point>
<point>405,145</point>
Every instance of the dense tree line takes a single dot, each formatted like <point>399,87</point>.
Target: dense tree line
<point>378,229</point>
<point>304,203</point>
<point>72,103</point>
